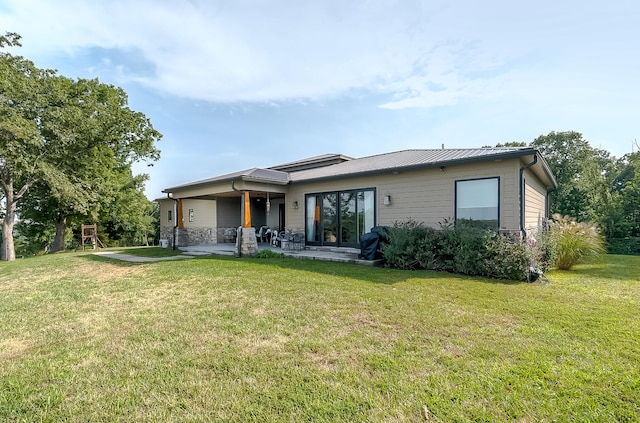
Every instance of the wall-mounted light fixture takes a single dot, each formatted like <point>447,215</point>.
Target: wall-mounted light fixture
<point>386,200</point>
<point>295,204</point>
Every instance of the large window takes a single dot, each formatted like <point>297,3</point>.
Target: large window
<point>339,218</point>
<point>478,202</point>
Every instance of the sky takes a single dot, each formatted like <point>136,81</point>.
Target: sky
<point>238,84</point>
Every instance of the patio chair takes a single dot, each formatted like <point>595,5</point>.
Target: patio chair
<point>295,243</point>
<point>282,240</point>
<point>230,234</point>
<point>261,235</point>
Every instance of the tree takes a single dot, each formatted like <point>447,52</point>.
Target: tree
<point>22,97</point>
<point>508,144</point>
<point>96,138</point>
<point>624,213</point>
<point>128,218</point>
<point>67,139</point>
<point>582,172</point>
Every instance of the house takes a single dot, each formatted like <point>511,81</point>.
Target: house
<point>334,199</point>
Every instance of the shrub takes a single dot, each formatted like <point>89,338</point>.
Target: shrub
<point>574,241</point>
<point>266,253</point>
<point>629,245</point>
<point>546,251</point>
<point>460,248</point>
<point>410,245</point>
<point>506,258</point>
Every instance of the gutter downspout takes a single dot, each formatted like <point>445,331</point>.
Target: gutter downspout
<point>238,247</point>
<point>233,187</point>
<point>522,169</point>
<point>175,218</point>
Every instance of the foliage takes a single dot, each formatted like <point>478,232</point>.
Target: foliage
<point>266,253</point>
<point>90,339</point>
<point>464,249</point>
<point>583,174</point>
<point>33,238</point>
<point>67,144</point>
<point>461,246</point>
<point>127,215</point>
<point>504,258</point>
<point>575,241</point>
<point>621,220</point>
<point>594,187</point>
<point>23,95</point>
<point>508,144</point>
<point>411,245</point>
<point>627,245</point>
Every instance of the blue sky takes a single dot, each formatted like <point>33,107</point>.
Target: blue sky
<point>254,83</point>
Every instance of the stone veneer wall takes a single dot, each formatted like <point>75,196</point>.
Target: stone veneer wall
<point>190,236</point>
<point>227,235</point>
<point>246,243</point>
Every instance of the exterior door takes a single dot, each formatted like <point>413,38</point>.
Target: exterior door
<point>348,218</point>
<point>339,218</point>
<point>330,218</point>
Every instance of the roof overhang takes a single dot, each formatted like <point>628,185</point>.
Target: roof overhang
<point>276,181</point>
<point>541,167</point>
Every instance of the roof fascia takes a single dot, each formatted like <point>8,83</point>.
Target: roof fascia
<point>214,182</point>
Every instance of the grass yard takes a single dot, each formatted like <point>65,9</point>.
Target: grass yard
<point>147,251</point>
<point>86,338</point>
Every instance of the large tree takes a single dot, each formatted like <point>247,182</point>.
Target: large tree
<point>22,97</point>
<point>583,174</point>
<point>96,138</point>
<point>68,139</point>
<point>624,213</point>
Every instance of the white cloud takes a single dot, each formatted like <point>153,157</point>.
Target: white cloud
<point>421,54</point>
<point>241,51</point>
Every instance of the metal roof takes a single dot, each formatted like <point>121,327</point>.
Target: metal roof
<point>339,166</point>
<point>253,174</point>
<point>312,162</point>
<point>407,159</point>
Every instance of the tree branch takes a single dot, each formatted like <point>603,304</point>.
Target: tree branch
<point>24,189</point>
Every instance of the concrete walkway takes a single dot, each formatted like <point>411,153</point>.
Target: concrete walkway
<point>334,254</point>
<point>339,255</point>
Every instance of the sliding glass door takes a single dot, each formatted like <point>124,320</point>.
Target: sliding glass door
<point>339,218</point>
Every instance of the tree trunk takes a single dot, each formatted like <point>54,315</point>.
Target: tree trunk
<point>8,252</point>
<point>58,241</point>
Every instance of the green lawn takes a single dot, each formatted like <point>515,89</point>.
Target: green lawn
<point>147,251</point>
<point>86,338</point>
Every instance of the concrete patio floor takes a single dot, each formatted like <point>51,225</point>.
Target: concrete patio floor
<point>332,254</point>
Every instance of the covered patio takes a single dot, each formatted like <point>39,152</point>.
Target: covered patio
<point>339,255</point>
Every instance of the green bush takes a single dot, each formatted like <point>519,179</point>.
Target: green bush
<point>629,245</point>
<point>410,245</point>
<point>269,254</point>
<point>464,249</point>
<point>506,258</point>
<point>575,241</point>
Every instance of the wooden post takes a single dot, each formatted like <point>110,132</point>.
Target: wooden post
<point>247,211</point>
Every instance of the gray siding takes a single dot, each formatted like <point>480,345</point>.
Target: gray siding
<point>534,204</point>
<point>229,212</point>
<point>422,195</point>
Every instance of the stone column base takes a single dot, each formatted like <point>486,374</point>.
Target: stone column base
<point>246,243</point>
